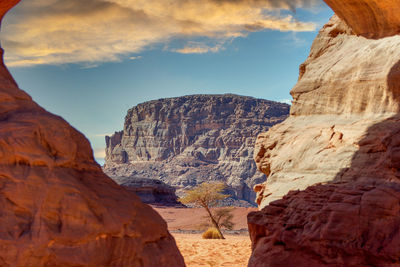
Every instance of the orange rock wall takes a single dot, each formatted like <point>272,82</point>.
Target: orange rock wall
<point>57,206</point>
<point>369,18</point>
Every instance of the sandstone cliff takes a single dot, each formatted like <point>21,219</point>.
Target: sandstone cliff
<point>342,139</point>
<point>187,140</point>
<point>57,206</point>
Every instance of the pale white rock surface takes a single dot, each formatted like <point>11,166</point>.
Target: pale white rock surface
<point>348,84</point>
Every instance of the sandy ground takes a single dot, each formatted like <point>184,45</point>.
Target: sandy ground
<point>233,251</point>
<point>192,218</point>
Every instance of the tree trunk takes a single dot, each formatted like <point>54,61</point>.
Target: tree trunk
<point>214,222</point>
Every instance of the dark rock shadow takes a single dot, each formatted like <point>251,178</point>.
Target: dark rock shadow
<point>352,221</point>
<point>378,157</point>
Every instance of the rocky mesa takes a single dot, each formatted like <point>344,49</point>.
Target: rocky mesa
<point>332,196</point>
<point>187,140</point>
<point>57,206</point>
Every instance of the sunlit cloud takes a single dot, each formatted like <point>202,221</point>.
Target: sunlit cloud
<point>198,48</point>
<point>92,31</point>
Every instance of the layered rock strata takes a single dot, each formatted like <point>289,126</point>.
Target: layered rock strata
<point>333,189</point>
<point>57,206</point>
<point>187,140</point>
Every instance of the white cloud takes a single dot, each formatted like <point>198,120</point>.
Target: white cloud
<point>92,31</point>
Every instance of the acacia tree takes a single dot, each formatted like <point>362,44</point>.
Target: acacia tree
<point>207,195</point>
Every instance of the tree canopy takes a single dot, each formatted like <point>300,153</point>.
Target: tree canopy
<point>207,195</point>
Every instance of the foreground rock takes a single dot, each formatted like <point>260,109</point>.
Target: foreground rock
<point>187,140</point>
<point>341,224</point>
<point>343,140</point>
<point>57,206</point>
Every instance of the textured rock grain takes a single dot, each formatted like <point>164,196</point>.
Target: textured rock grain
<point>347,85</point>
<point>369,18</point>
<point>333,189</point>
<point>57,206</point>
<point>341,224</point>
<point>187,140</point>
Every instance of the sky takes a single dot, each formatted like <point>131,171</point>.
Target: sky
<point>91,62</point>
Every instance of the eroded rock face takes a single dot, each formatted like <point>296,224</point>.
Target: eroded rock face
<point>57,206</point>
<point>333,189</point>
<point>347,84</point>
<point>191,139</point>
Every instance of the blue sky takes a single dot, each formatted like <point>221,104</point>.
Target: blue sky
<point>93,94</point>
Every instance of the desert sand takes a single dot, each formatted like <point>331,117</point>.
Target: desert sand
<point>233,251</point>
<point>192,218</point>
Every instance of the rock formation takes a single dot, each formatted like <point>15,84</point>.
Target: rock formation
<point>191,139</point>
<point>369,18</point>
<point>333,190</point>
<point>349,224</point>
<point>150,191</point>
<point>348,84</point>
<point>57,206</point>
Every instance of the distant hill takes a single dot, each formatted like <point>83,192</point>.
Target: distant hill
<point>187,140</point>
